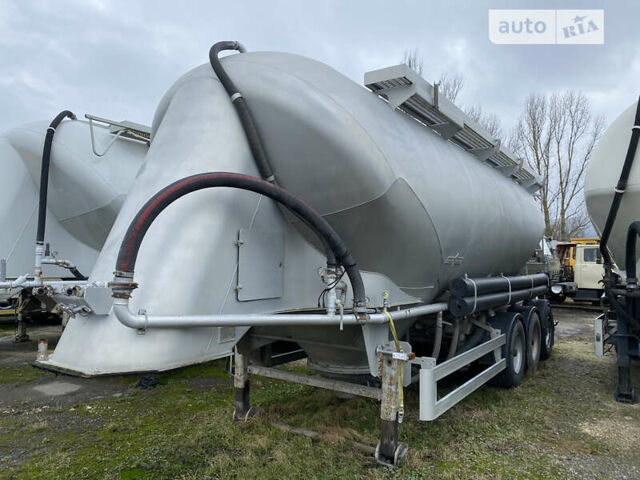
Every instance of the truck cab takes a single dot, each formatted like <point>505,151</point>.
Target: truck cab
<point>581,270</point>
<point>588,269</point>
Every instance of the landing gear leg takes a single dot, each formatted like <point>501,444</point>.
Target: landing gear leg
<point>22,335</point>
<point>389,451</point>
<point>241,383</point>
<point>624,392</point>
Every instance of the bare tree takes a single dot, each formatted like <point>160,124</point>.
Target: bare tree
<point>490,121</point>
<point>413,59</point>
<point>450,85</point>
<point>556,135</point>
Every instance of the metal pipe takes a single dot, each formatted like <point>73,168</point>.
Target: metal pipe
<point>454,339</point>
<point>142,321</point>
<point>438,340</point>
<point>22,282</point>
<point>73,269</point>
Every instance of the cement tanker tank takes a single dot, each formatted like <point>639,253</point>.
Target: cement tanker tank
<point>89,169</point>
<point>348,217</point>
<point>612,194</point>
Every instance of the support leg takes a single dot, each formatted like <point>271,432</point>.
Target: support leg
<point>624,392</point>
<point>241,384</point>
<point>22,335</point>
<point>389,451</point>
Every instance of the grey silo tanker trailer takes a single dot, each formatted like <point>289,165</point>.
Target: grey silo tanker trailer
<point>612,194</point>
<point>65,181</point>
<point>284,211</point>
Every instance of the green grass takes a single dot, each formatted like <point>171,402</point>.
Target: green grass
<point>21,374</point>
<point>183,429</point>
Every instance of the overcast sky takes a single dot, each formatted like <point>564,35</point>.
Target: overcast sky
<point>115,59</point>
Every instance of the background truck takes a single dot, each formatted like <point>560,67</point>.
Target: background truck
<point>581,271</point>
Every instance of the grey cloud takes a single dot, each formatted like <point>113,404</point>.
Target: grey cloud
<point>117,58</point>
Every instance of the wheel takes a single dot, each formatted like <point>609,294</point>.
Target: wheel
<point>514,350</point>
<point>547,327</point>
<point>533,330</point>
<point>558,298</point>
<point>534,339</point>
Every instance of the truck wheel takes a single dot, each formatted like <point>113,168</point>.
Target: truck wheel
<point>514,350</point>
<point>534,340</point>
<point>548,330</point>
<point>547,327</point>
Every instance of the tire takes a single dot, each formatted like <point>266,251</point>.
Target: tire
<point>534,339</point>
<point>514,350</point>
<point>547,327</point>
<point>533,329</point>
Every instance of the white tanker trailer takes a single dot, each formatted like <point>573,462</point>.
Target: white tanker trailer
<point>74,187</point>
<point>377,232</point>
<point>612,194</point>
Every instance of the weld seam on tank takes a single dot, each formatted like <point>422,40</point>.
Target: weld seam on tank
<point>138,227</point>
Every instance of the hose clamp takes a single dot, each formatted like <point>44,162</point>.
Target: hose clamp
<point>52,129</point>
<point>235,96</point>
<point>619,190</point>
<point>509,282</point>
<point>635,127</point>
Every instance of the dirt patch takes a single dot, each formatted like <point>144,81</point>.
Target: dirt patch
<point>623,434</point>
<point>17,354</point>
<point>574,323</point>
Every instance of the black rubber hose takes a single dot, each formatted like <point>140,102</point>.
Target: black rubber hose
<point>630,252</point>
<point>76,274</point>
<point>44,172</point>
<point>44,182</point>
<point>248,124</point>
<point>132,240</point>
<point>620,188</point>
<point>611,217</point>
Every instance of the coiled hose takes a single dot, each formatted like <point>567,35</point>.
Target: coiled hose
<point>132,240</point>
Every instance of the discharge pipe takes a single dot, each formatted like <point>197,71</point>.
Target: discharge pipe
<point>42,201</point>
<point>132,240</point>
<point>143,321</point>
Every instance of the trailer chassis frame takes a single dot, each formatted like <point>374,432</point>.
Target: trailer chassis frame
<point>388,451</point>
